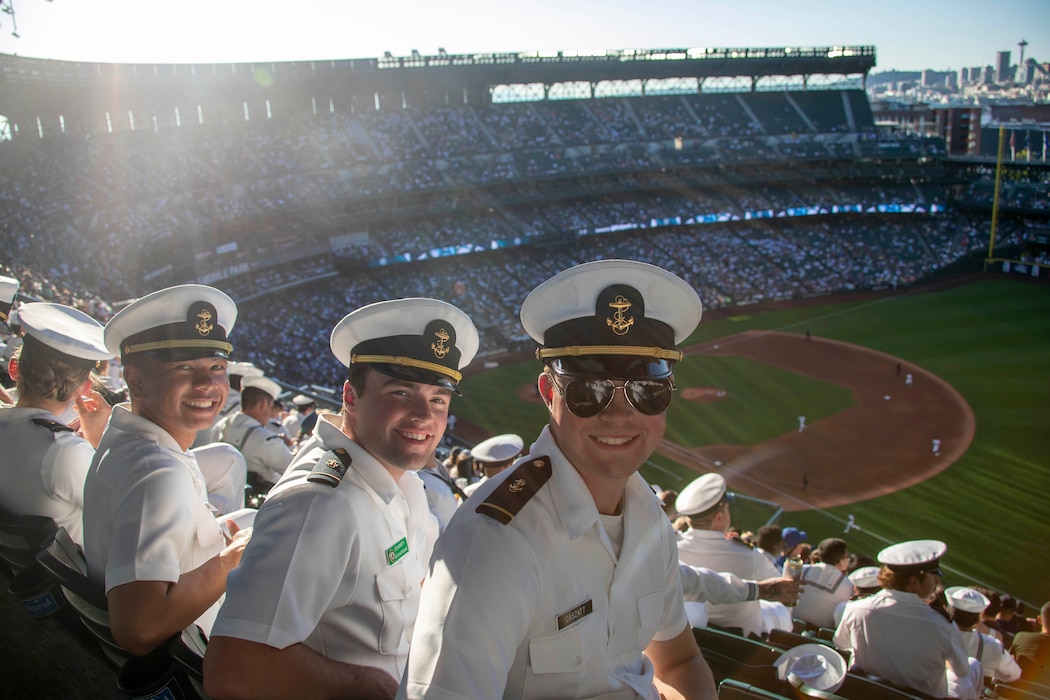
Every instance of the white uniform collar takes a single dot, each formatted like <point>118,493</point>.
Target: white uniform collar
<point>124,419</point>
<point>364,464</point>
<point>14,413</point>
<point>248,420</point>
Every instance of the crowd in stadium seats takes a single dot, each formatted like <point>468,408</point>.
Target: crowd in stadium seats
<point>143,190</point>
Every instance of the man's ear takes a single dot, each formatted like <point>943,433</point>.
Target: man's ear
<point>133,378</point>
<point>12,369</point>
<point>349,398</point>
<point>546,388</point>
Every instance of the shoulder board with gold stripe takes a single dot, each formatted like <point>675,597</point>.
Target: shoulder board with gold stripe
<point>53,425</point>
<point>331,468</point>
<point>516,490</point>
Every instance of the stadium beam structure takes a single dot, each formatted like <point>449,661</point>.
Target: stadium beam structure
<point>44,96</point>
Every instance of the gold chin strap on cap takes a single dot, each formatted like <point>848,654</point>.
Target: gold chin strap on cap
<point>179,345</point>
<point>407,362</point>
<point>635,350</point>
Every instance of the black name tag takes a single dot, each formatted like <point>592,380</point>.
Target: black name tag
<point>578,613</point>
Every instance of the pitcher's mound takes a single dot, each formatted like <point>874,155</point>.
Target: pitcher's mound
<point>704,394</point>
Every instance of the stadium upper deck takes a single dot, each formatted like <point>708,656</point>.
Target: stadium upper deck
<point>40,97</point>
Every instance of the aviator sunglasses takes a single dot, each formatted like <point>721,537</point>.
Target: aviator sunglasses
<point>586,398</point>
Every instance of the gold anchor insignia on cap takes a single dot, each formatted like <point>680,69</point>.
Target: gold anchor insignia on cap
<point>439,347</point>
<point>517,485</point>
<point>204,325</point>
<point>619,322</point>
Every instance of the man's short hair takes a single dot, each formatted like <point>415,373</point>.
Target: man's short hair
<point>994,602</point>
<point>832,550</point>
<point>1044,614</point>
<point>769,537</point>
<point>250,396</point>
<point>965,619</point>
<point>357,376</point>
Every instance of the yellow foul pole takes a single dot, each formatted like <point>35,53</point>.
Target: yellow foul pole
<point>995,199</point>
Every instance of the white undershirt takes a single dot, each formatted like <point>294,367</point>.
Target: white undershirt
<point>613,525</point>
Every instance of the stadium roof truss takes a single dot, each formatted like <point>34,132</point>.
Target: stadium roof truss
<point>82,95</point>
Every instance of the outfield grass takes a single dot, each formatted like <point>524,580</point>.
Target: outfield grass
<point>989,339</point>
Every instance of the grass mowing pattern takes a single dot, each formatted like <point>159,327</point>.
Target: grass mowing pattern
<point>989,339</point>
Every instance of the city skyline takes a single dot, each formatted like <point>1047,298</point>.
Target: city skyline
<point>939,35</point>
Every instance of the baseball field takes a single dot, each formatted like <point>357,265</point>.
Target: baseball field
<point>961,453</point>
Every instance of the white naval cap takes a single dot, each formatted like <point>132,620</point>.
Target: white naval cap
<point>12,319</point>
<point>178,323</point>
<point>914,557</point>
<point>243,369</point>
<point>66,330</point>
<point>865,577</point>
<point>702,495</point>
<point>264,384</point>
<point>818,666</point>
<point>498,448</point>
<point>302,400</point>
<point>612,318</point>
<point>8,290</point>
<point>417,339</point>
<point>966,599</point>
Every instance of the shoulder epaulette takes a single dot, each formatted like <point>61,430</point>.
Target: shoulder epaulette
<point>516,490</point>
<point>53,425</point>
<point>275,436</point>
<point>329,471</point>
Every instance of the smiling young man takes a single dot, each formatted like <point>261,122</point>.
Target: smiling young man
<point>324,603</point>
<point>560,577</point>
<point>150,534</point>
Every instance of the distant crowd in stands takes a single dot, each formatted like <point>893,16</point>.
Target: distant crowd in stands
<point>729,264</point>
<point>160,197</point>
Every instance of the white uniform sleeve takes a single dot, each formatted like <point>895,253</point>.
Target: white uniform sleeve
<point>477,603</point>
<point>65,468</point>
<point>152,526</point>
<point>275,455</point>
<point>706,586</point>
<point>674,601</point>
<point>1002,665</point>
<point>302,552</point>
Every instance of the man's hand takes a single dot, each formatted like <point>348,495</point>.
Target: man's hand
<point>94,415</point>
<point>781,589</point>
<point>236,541</point>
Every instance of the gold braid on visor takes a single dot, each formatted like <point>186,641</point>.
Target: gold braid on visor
<point>635,350</point>
<point>407,362</point>
<point>178,345</point>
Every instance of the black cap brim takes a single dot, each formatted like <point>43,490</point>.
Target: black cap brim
<point>184,354</point>
<point>612,367</point>
<point>414,374</point>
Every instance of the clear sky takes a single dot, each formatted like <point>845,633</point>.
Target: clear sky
<point>908,34</point>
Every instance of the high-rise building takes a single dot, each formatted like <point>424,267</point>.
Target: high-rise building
<point>975,75</point>
<point>1028,72</point>
<point>964,76</point>
<point>1002,66</point>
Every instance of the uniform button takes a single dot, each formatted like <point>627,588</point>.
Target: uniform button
<point>579,660</point>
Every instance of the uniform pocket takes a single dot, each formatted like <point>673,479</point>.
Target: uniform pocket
<point>565,651</point>
<point>394,589</point>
